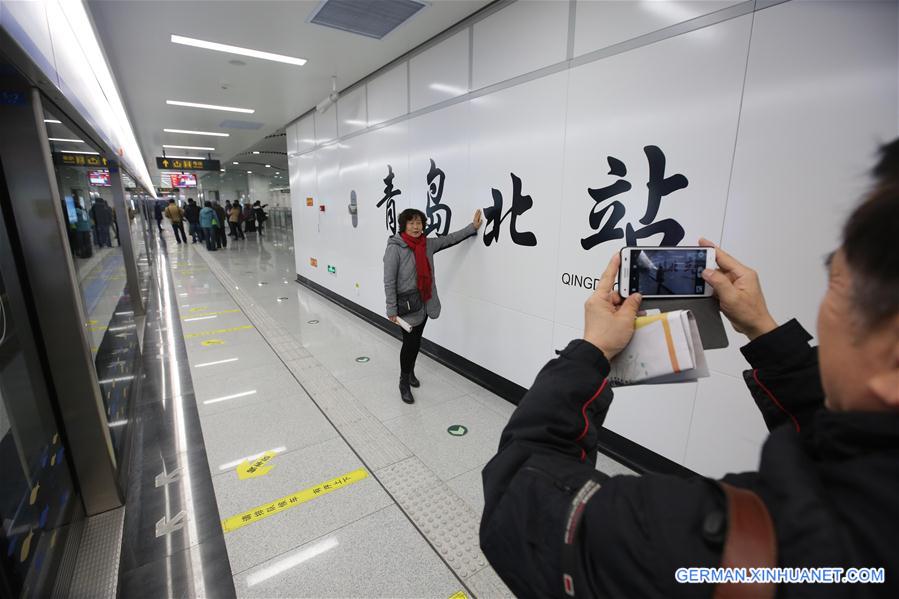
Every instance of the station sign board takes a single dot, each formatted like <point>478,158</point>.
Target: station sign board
<point>184,164</point>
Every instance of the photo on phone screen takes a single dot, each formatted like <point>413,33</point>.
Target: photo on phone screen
<point>668,271</point>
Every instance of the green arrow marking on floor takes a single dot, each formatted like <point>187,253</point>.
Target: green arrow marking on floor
<point>457,430</point>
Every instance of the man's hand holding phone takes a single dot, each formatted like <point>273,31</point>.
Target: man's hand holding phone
<point>609,320</point>
<point>739,294</point>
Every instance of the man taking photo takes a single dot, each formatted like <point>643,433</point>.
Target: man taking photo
<point>826,494</point>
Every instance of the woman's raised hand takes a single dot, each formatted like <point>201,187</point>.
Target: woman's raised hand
<point>476,221</point>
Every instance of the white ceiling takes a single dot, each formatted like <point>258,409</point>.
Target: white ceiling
<point>149,69</point>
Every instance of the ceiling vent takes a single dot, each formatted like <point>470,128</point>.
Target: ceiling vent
<point>371,18</point>
<point>247,125</point>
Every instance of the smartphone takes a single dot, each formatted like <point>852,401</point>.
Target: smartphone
<point>665,272</point>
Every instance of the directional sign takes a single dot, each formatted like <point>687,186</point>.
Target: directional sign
<point>183,164</point>
<point>166,527</point>
<point>90,160</point>
<point>457,430</point>
<point>257,468</point>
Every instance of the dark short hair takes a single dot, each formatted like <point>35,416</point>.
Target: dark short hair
<point>408,214</point>
<point>869,242</point>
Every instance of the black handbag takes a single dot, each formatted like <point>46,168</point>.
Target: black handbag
<point>408,302</point>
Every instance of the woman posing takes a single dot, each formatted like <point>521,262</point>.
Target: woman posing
<point>410,286</point>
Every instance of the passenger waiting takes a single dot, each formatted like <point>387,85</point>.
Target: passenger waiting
<point>410,286</point>
<point>208,222</point>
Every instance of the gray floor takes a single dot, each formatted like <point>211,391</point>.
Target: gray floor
<point>268,380</point>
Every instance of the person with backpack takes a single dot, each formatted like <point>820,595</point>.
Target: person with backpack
<point>260,215</point>
<point>825,493</point>
<point>208,222</point>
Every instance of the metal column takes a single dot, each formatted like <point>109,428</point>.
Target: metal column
<point>124,224</point>
<point>36,211</point>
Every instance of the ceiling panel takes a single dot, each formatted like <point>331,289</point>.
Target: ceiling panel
<point>149,69</point>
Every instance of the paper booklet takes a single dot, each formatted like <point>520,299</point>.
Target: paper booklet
<point>665,348</point>
<point>405,325</point>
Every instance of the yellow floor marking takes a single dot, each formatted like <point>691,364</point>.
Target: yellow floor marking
<point>279,505</point>
<point>209,342</point>
<point>218,331</point>
<point>459,595</point>
<point>212,313</point>
<point>257,468</point>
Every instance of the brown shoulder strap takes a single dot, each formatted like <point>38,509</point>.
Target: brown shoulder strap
<point>750,543</point>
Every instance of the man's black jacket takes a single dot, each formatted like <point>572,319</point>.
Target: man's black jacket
<point>830,481</point>
<point>192,213</point>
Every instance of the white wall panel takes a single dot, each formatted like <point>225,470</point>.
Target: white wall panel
<point>727,430</point>
<point>507,341</point>
<point>388,95</point>
<point>389,148</point>
<point>689,110</point>
<point>305,220</point>
<point>806,136</point>
<point>522,37</point>
<point>515,133</point>
<point>306,133</point>
<point>326,124</point>
<point>291,138</point>
<point>351,112</point>
<point>808,130</point>
<point>440,73</point>
<point>601,24</point>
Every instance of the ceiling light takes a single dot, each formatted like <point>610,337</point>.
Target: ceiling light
<point>189,41</point>
<point>79,152</point>
<point>188,147</point>
<point>249,172</point>
<point>209,106</point>
<point>53,121</point>
<point>197,132</point>
<point>223,170</point>
<point>74,141</point>
<point>235,162</point>
<point>186,157</point>
<point>268,166</point>
<point>255,151</point>
<point>356,122</point>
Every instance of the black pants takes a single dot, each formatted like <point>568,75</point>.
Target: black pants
<point>236,231</point>
<point>178,228</point>
<point>221,239</point>
<point>411,345</point>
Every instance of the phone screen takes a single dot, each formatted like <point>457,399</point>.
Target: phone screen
<point>668,271</point>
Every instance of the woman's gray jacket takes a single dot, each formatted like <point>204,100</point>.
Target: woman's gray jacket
<point>401,276</point>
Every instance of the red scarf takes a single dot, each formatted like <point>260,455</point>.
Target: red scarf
<point>419,246</point>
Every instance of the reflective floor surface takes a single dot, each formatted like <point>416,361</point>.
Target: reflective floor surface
<point>324,482</point>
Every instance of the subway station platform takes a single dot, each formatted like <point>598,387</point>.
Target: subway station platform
<point>277,450</point>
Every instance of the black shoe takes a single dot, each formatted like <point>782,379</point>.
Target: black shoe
<point>414,381</point>
<point>405,391</point>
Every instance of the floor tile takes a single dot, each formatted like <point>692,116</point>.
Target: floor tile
<point>380,394</point>
<point>291,422</point>
<point>469,486</point>
<point>268,382</point>
<point>425,433</point>
<point>292,472</point>
<point>353,562</point>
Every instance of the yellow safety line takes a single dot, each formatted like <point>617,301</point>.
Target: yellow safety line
<point>279,505</point>
<point>218,331</point>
